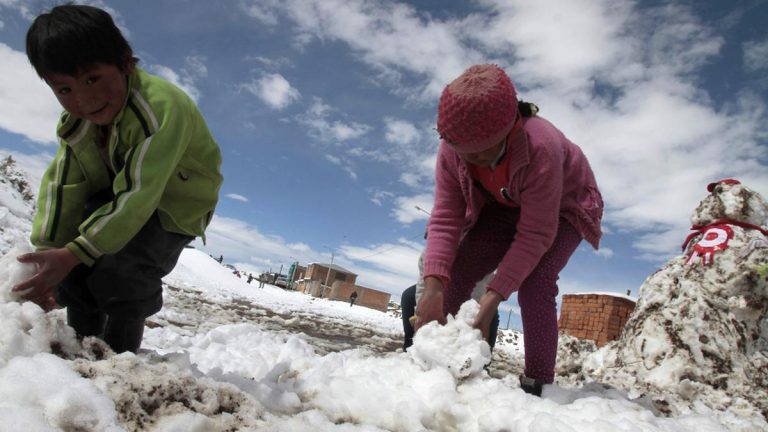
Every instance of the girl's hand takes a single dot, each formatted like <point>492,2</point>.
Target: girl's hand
<point>489,305</point>
<point>53,266</point>
<point>430,307</point>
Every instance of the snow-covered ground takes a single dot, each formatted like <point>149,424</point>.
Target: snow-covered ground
<point>226,355</point>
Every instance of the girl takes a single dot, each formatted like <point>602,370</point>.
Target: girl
<point>513,193</point>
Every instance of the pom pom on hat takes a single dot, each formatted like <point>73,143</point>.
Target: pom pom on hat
<point>477,109</point>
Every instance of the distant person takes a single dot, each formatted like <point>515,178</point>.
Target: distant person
<point>250,278</point>
<point>220,259</point>
<point>352,298</point>
<point>512,193</point>
<point>135,179</point>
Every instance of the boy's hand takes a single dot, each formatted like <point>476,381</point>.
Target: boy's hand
<point>53,266</point>
<point>489,304</point>
<point>430,307</point>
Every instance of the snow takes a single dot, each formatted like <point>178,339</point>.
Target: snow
<point>226,355</point>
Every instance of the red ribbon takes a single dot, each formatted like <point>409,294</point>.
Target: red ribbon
<point>699,229</point>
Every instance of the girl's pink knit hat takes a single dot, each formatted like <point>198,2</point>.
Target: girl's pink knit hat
<point>478,109</point>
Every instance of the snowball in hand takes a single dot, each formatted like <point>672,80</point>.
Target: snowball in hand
<point>12,272</point>
<point>455,346</point>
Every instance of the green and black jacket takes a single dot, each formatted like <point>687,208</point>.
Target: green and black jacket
<point>162,158</point>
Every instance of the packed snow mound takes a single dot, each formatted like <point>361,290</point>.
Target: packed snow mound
<point>468,352</point>
<point>699,332</point>
<point>729,199</point>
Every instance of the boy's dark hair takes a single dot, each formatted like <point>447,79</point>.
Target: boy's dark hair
<point>71,37</point>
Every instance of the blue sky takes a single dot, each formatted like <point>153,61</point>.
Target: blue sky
<point>325,113</point>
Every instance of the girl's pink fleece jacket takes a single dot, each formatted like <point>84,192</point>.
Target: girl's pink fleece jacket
<point>549,177</point>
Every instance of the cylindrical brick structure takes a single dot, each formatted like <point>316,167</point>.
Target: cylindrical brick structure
<point>599,317</point>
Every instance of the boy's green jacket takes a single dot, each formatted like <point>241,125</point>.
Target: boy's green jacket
<point>162,158</point>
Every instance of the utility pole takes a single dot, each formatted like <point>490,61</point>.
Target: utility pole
<point>423,211</point>
<point>328,275</point>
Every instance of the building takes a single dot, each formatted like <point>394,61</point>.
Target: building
<point>599,317</point>
<point>337,283</point>
<point>367,297</point>
<point>329,273</point>
<point>296,272</point>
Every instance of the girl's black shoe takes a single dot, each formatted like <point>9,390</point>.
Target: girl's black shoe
<point>530,385</point>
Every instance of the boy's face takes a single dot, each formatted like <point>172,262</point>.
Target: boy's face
<point>95,93</point>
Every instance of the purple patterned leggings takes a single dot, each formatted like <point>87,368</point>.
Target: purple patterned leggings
<point>480,252</point>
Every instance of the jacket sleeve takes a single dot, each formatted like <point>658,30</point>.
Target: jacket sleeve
<point>447,219</point>
<point>540,197</point>
<point>148,164</point>
<point>61,198</point>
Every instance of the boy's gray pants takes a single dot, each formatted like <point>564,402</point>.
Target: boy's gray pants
<point>112,298</point>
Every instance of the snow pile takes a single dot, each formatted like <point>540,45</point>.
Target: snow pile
<point>468,352</point>
<point>699,333</point>
<point>224,355</point>
<point>16,206</point>
<point>42,391</point>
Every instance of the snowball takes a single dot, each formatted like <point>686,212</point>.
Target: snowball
<point>13,272</point>
<point>455,346</point>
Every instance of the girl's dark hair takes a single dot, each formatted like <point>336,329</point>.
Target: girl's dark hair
<point>71,37</point>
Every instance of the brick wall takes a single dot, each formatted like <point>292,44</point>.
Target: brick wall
<point>320,272</point>
<point>599,317</point>
<point>299,273</point>
<point>367,297</point>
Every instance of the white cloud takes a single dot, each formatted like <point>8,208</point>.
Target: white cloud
<point>422,172</point>
<point>270,63</point>
<point>401,132</point>
<point>27,105</point>
<point>604,252</point>
<point>378,197</point>
<point>196,67</point>
<point>20,6</point>
<point>390,37</point>
<point>263,11</point>
<point>345,165</point>
<point>236,197</point>
<point>239,241</point>
<point>387,267</point>
<point>406,211</point>
<point>333,159</point>
<point>553,40</point>
<point>274,90</point>
<point>756,55</point>
<point>194,70</point>
<point>316,119</point>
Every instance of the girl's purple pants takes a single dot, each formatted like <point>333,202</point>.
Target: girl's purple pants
<point>481,251</point>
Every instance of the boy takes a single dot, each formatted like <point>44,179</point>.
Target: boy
<point>136,178</point>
